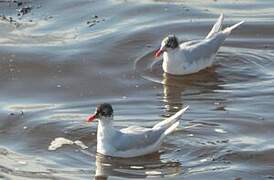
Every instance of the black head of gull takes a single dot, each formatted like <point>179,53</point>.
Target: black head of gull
<point>169,42</point>
<point>102,110</point>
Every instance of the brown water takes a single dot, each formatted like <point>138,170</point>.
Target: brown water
<point>61,58</point>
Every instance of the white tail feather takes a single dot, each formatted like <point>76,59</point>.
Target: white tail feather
<point>229,29</point>
<point>171,128</point>
<point>217,27</point>
<point>171,119</point>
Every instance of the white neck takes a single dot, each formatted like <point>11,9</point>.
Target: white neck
<point>168,64</point>
<point>174,61</point>
<point>105,124</point>
<point>105,134</point>
<point>105,128</point>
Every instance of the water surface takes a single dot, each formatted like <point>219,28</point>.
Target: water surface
<point>61,58</point>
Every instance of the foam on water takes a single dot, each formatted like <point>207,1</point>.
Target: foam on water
<point>60,141</point>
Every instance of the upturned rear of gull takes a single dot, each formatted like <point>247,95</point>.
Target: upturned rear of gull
<point>131,141</point>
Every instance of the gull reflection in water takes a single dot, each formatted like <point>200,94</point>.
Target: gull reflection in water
<point>175,88</point>
<point>139,167</point>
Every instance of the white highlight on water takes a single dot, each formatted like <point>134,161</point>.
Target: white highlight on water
<point>60,141</point>
<point>219,130</point>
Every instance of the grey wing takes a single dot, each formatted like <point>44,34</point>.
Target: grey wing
<point>190,43</point>
<point>136,140</point>
<point>205,48</point>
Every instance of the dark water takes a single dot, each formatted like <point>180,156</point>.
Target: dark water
<point>61,58</point>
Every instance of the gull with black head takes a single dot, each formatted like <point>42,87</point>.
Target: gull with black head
<point>193,56</point>
<point>131,141</point>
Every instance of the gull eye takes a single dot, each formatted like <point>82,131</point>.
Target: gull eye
<point>105,112</point>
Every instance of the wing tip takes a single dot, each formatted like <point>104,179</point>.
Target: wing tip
<point>171,128</point>
<point>173,118</point>
<point>221,16</point>
<point>241,22</point>
<point>185,108</point>
<point>228,30</point>
<point>216,27</point>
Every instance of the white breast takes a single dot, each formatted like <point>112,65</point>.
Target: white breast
<point>188,59</point>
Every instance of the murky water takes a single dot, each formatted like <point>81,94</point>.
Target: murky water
<point>61,58</point>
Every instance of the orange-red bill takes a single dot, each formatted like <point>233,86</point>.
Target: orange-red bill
<point>158,53</point>
<point>91,118</point>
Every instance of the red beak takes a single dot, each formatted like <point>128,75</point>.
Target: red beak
<point>91,118</point>
<point>158,53</point>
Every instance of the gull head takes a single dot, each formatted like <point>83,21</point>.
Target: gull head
<point>169,42</point>
<point>103,111</point>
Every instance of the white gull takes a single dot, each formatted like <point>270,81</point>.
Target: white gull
<point>193,56</point>
<point>132,141</point>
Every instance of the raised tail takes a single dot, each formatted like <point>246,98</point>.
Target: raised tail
<point>169,121</point>
<point>228,30</point>
<point>217,27</point>
<point>167,131</point>
<point>171,128</point>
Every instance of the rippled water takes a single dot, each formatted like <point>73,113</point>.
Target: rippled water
<point>61,58</point>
